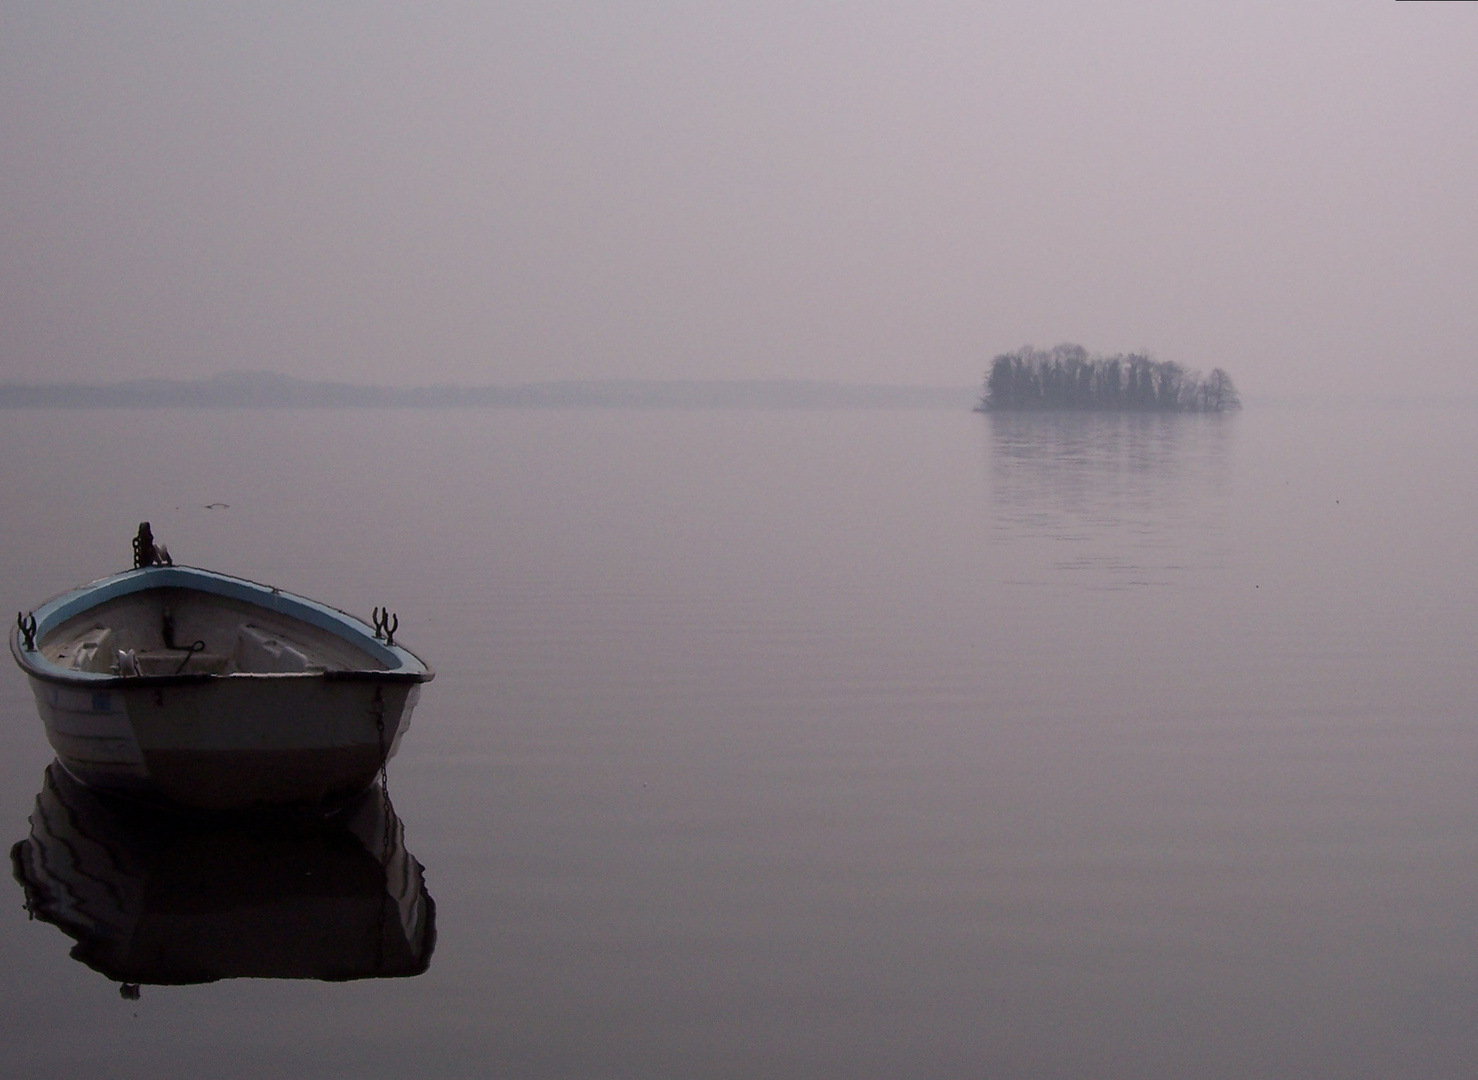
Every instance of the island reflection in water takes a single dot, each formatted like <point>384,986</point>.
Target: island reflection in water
<point>1113,500</point>
<point>158,898</point>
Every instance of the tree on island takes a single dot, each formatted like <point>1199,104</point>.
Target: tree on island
<point>1065,377</point>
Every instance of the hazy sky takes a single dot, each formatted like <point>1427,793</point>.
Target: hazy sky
<point>891,192</point>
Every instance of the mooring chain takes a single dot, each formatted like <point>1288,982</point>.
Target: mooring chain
<point>386,814</point>
<point>27,627</point>
<point>148,553</point>
<point>385,626</point>
<point>377,710</point>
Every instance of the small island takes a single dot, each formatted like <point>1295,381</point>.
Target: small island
<point>1066,377</point>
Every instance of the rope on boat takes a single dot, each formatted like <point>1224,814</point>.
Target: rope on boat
<point>190,650</point>
<point>167,632</point>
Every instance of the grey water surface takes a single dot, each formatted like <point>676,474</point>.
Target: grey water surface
<point>835,743</point>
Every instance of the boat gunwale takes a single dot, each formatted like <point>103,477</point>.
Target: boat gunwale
<point>403,665</point>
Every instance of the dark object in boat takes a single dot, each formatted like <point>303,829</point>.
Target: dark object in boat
<point>146,552</point>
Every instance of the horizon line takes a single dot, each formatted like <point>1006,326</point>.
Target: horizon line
<point>274,389</point>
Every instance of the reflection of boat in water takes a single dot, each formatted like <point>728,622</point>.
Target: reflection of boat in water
<point>177,684</point>
<point>153,897</point>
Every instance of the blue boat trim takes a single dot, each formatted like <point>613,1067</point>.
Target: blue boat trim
<point>402,665</point>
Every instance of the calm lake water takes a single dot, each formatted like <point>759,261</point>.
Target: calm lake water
<point>835,744</point>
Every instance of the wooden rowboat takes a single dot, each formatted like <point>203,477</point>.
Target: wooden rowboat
<point>176,684</point>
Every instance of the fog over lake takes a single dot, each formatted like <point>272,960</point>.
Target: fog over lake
<point>880,192</point>
<point>791,720</point>
<point>834,743</point>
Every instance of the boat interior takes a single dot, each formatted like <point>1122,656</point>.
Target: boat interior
<point>187,631</point>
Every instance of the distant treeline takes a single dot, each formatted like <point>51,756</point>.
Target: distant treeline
<point>266,390</point>
<point>1067,378</point>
